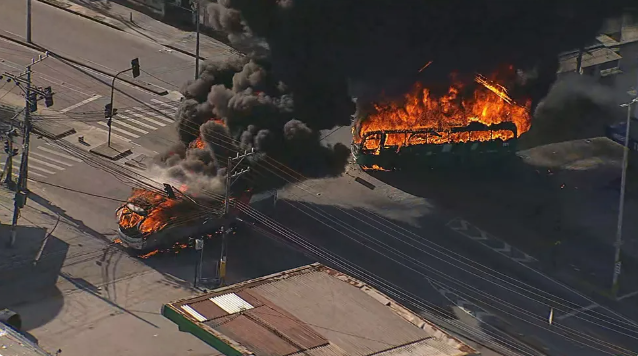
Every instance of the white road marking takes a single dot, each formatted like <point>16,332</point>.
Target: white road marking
<point>59,154</point>
<point>51,159</point>
<point>628,295</point>
<point>83,102</point>
<point>161,117</point>
<point>164,104</point>
<point>46,164</point>
<point>459,225</point>
<point>40,169</point>
<point>120,122</point>
<point>30,173</point>
<point>139,123</point>
<point>115,128</point>
<point>145,118</point>
<point>113,135</point>
<point>576,311</point>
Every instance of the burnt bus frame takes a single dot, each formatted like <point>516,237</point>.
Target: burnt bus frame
<point>396,157</point>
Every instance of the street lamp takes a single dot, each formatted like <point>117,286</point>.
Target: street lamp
<point>109,111</point>
<point>621,204</point>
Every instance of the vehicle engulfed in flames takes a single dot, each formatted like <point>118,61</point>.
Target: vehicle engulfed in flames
<point>151,220</point>
<point>478,126</point>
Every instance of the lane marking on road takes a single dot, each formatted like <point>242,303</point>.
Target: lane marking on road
<point>463,227</point>
<point>145,118</point>
<point>83,102</point>
<point>46,164</point>
<point>628,295</point>
<point>115,128</point>
<point>139,123</point>
<point>51,159</point>
<point>40,169</point>
<point>119,122</point>
<point>30,173</point>
<point>162,117</point>
<point>164,104</point>
<point>60,154</point>
<point>577,311</point>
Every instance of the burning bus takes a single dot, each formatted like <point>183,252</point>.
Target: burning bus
<point>476,122</point>
<point>150,220</point>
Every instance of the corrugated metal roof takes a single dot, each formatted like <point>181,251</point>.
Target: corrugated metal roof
<point>231,303</point>
<point>194,313</point>
<point>287,326</point>
<point>256,338</point>
<point>327,350</point>
<point>427,347</point>
<point>208,309</point>
<point>355,321</point>
<point>13,343</point>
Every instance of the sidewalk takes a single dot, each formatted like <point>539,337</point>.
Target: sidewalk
<point>119,17</point>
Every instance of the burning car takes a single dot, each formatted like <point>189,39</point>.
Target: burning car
<point>478,122</point>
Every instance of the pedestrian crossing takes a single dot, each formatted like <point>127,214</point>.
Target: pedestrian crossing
<point>135,122</point>
<point>44,161</point>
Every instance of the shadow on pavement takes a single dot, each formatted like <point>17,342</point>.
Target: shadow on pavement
<point>558,203</point>
<point>23,282</point>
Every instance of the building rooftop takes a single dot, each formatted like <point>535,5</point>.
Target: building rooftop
<point>311,310</point>
<point>13,343</point>
<point>592,57</point>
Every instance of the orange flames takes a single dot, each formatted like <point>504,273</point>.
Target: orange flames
<point>198,143</point>
<point>157,212</point>
<point>489,104</point>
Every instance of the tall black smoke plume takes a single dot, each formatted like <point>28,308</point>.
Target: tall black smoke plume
<point>317,51</point>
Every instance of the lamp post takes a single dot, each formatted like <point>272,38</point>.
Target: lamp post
<point>621,204</point>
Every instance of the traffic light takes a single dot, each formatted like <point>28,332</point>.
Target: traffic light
<point>114,112</point>
<point>15,152</point>
<point>6,147</point>
<point>33,102</point>
<point>169,191</point>
<point>108,109</point>
<point>135,65</point>
<point>48,97</point>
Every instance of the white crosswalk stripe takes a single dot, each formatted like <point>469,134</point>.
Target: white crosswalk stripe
<point>43,161</point>
<point>122,123</point>
<point>139,123</point>
<point>161,117</point>
<point>50,159</point>
<point>165,104</point>
<point>16,168</point>
<point>145,118</point>
<point>115,128</point>
<point>59,154</point>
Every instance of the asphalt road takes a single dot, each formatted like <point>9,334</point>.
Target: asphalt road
<point>403,256</point>
<point>112,50</point>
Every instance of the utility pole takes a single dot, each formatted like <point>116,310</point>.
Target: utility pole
<point>231,178</point>
<point>28,21</point>
<point>196,6</point>
<point>621,204</point>
<point>31,105</point>
<point>109,111</point>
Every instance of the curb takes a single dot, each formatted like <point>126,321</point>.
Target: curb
<point>105,23</point>
<point>78,63</point>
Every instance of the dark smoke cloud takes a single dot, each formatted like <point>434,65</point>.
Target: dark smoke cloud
<point>306,59</point>
<point>317,44</point>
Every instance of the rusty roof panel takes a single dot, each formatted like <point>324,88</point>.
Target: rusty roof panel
<point>288,326</point>
<point>427,347</point>
<point>327,350</point>
<point>256,338</point>
<point>355,321</point>
<point>253,299</point>
<point>208,309</point>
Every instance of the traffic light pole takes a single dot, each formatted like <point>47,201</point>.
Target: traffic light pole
<point>111,102</point>
<point>135,67</point>
<point>231,178</point>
